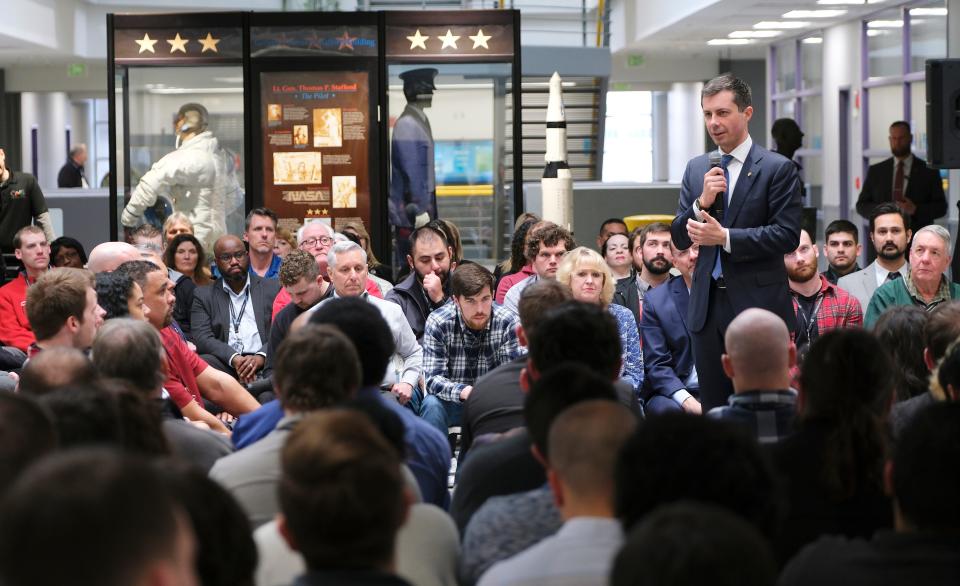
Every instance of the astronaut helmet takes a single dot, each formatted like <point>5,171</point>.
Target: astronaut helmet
<point>191,119</point>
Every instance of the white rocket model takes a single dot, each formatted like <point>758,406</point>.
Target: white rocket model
<point>557,181</point>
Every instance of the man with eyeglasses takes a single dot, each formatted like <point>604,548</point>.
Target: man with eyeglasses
<point>230,319</point>
<point>317,237</point>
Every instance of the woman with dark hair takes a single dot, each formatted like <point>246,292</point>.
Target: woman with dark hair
<point>67,252</point>
<point>900,330</point>
<point>517,267</point>
<point>832,467</point>
<point>185,256</point>
<point>120,296</point>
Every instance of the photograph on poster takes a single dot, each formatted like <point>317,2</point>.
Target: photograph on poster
<point>274,112</point>
<point>327,127</point>
<point>297,168</point>
<point>301,136</point>
<point>344,191</point>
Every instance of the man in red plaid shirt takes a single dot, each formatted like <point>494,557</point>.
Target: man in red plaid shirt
<point>820,306</point>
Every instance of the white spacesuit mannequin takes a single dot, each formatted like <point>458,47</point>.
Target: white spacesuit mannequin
<point>198,178</point>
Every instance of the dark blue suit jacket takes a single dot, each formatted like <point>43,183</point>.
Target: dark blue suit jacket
<point>667,350</point>
<point>763,217</point>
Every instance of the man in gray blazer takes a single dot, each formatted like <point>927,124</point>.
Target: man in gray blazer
<point>890,235</point>
<point>230,319</point>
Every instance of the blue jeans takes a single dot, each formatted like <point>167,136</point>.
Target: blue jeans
<point>437,412</point>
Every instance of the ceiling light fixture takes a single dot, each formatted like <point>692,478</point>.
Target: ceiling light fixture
<point>841,2</point>
<point>729,42</point>
<point>928,12</point>
<point>885,24</point>
<point>763,34</point>
<point>781,24</point>
<point>812,41</point>
<point>814,13</point>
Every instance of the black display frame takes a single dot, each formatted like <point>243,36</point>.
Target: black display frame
<point>252,67</point>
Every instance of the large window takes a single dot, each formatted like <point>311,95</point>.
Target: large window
<point>628,137</point>
<point>897,44</point>
<point>797,78</point>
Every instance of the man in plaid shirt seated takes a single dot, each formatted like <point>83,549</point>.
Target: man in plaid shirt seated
<point>463,340</point>
<point>820,306</point>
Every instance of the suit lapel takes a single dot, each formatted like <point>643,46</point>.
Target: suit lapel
<point>221,305</point>
<point>748,174</point>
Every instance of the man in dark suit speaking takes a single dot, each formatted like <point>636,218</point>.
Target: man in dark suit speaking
<point>904,180</point>
<point>744,212</point>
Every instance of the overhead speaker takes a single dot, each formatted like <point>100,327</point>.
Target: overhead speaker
<point>943,113</point>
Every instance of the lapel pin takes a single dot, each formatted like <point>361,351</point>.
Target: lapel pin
<point>749,173</point>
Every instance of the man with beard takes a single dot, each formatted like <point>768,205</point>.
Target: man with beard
<point>820,306</point>
<point>889,235</point>
<point>427,286</point>
<point>905,181</point>
<point>926,286</point>
<point>546,246</point>
<point>670,380</point>
<point>230,319</point>
<point>842,249</point>
<point>652,259</point>
<point>462,341</point>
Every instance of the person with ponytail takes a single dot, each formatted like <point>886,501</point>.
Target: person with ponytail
<point>832,466</point>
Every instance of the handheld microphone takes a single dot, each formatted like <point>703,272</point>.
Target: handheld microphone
<point>716,160</point>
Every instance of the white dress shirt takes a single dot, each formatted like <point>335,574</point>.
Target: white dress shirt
<point>247,333</point>
<point>734,167</point>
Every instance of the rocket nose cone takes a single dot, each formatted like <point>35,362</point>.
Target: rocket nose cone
<point>555,78</point>
<point>555,111</point>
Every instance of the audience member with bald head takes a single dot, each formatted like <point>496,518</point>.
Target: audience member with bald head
<point>758,360</point>
<point>106,257</point>
<point>582,451</point>
<point>55,368</point>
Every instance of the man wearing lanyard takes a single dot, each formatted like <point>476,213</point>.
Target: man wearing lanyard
<point>230,319</point>
<point>820,306</point>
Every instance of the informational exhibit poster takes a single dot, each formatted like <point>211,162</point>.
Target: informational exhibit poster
<point>316,129</point>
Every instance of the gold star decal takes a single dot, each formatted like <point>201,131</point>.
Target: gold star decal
<point>178,44</point>
<point>449,40</point>
<point>325,212</point>
<point>146,44</point>
<point>209,44</point>
<point>480,39</point>
<point>418,40</point>
<point>346,41</point>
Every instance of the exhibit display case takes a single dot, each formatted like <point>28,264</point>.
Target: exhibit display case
<point>450,98</point>
<point>387,118</point>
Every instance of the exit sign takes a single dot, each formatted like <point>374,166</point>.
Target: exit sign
<point>635,60</point>
<point>77,70</point>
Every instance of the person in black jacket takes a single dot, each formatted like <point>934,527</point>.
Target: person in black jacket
<point>427,287</point>
<point>71,174</point>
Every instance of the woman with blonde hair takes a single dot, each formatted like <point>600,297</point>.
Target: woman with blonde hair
<point>176,223</point>
<point>285,243</point>
<point>590,280</point>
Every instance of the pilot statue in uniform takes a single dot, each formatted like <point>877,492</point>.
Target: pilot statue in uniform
<point>198,178</point>
<point>413,193</point>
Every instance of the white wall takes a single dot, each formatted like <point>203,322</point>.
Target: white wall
<point>50,114</point>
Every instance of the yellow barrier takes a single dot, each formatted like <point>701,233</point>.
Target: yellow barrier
<point>634,222</point>
<point>463,190</point>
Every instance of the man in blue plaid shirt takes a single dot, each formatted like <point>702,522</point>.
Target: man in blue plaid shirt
<point>463,340</point>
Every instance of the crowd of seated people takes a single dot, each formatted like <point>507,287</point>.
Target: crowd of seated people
<point>280,410</point>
